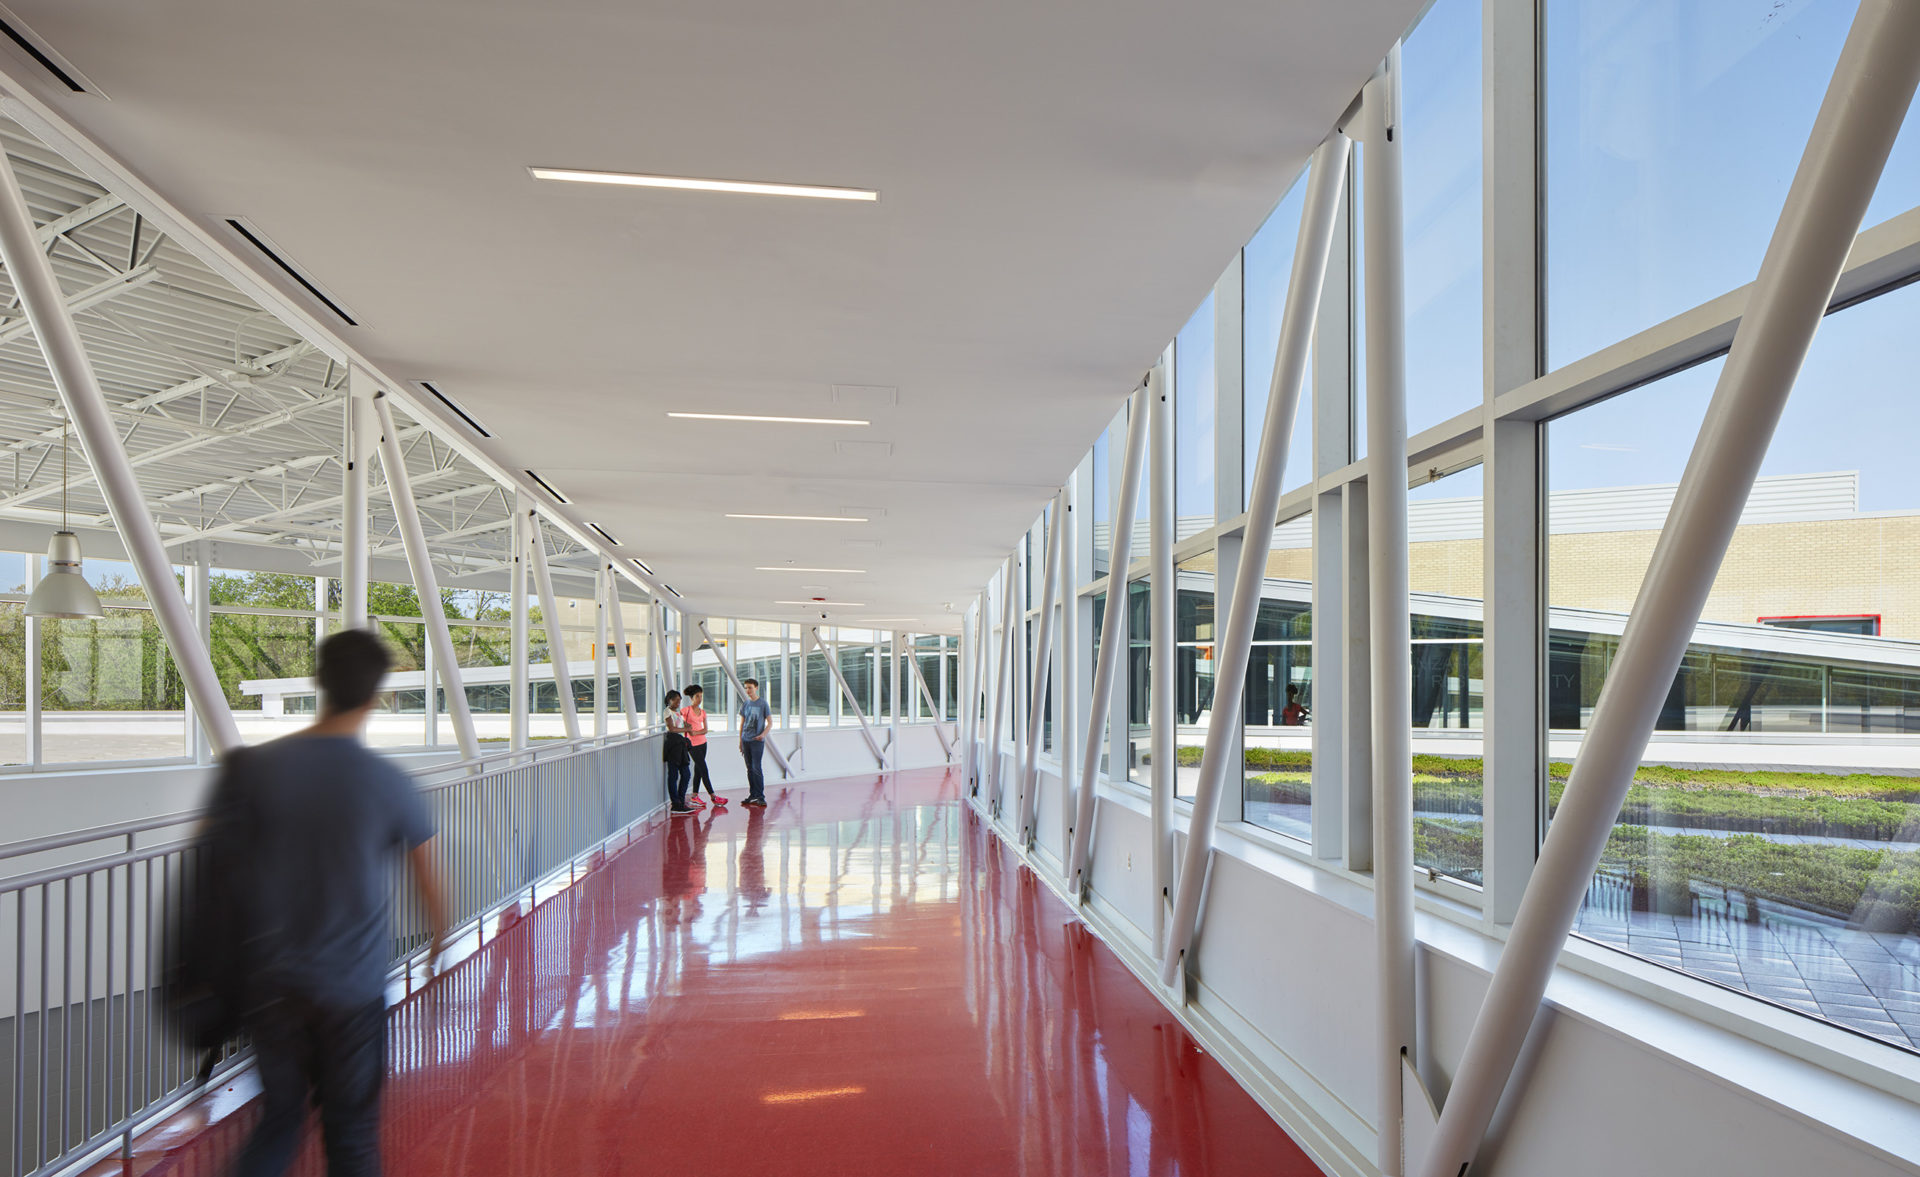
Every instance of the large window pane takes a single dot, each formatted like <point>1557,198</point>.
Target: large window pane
<point>1446,574</point>
<point>1440,87</point>
<point>1139,682</point>
<point>1193,423</point>
<point>1761,846</point>
<point>1266,266</point>
<point>1194,638</point>
<point>1278,761</point>
<point>109,690</point>
<point>1672,134</point>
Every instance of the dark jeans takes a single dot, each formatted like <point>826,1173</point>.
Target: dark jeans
<point>336,1055</point>
<point>751,751</point>
<point>700,776</point>
<point>677,778</point>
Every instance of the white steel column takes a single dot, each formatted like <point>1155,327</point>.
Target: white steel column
<point>426,585</point>
<point>733,676</point>
<point>1871,90</point>
<point>866,729</point>
<point>520,719</point>
<point>1003,675</point>
<point>39,292</point>
<point>1056,533</point>
<point>899,702</point>
<point>550,614</point>
<point>362,440</point>
<point>1389,626</point>
<point>200,586</point>
<point>623,657</point>
<point>1162,600</point>
<point>1514,524</point>
<point>36,748</point>
<point>1339,674</point>
<point>1113,635</point>
<point>973,645</point>
<point>602,585</point>
<point>1071,676</point>
<point>1231,652</point>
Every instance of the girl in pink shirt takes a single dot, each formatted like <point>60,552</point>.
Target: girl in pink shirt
<point>696,720</point>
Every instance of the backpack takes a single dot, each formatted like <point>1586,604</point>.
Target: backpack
<point>205,957</point>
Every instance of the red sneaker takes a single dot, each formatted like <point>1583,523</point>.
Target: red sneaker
<point>719,802</point>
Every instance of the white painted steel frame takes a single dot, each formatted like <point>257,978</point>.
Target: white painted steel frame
<point>426,585</point>
<point>733,676</point>
<point>866,730</point>
<point>1056,532</point>
<point>361,440</point>
<point>1003,675</point>
<point>1389,622</point>
<point>40,296</point>
<point>1867,101</point>
<point>520,718</point>
<point>622,655</point>
<point>1327,179</point>
<point>933,708</point>
<point>1113,638</point>
<point>550,615</point>
<point>1163,596</point>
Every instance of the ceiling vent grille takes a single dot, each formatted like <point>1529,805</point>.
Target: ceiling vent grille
<point>43,54</point>
<point>453,407</point>
<point>548,487</point>
<point>604,534</point>
<point>259,242</point>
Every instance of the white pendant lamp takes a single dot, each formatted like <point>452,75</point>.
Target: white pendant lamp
<point>63,591</point>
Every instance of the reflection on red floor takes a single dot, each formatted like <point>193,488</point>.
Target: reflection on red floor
<point>858,979</point>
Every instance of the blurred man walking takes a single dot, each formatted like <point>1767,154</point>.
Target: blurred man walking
<point>325,821</point>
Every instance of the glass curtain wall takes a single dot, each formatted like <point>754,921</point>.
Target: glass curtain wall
<point>1771,839</point>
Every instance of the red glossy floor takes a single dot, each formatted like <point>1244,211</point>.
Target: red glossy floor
<point>856,980</point>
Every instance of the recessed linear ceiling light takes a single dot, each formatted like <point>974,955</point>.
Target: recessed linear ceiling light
<point>828,604</point>
<point>605,534</point>
<point>638,180</point>
<point>642,565</point>
<point>803,518</point>
<point>788,568</point>
<point>771,420</point>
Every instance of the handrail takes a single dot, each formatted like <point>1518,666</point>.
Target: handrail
<point>87,962</point>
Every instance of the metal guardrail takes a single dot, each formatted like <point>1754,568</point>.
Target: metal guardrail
<point>88,1056</point>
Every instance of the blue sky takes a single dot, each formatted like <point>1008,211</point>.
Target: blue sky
<point>1673,131</point>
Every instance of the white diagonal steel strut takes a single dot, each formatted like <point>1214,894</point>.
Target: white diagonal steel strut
<point>933,708</point>
<point>1873,86</point>
<point>733,676</point>
<point>975,679</point>
<point>622,656</point>
<point>33,278</point>
<point>1107,662</point>
<point>425,585</point>
<point>1042,657</point>
<point>550,614</point>
<point>833,665</point>
<point>1002,683</point>
<point>1326,179</point>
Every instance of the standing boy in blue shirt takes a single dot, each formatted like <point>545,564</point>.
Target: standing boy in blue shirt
<point>753,740</point>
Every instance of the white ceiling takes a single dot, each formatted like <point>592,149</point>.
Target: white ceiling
<point>1060,186</point>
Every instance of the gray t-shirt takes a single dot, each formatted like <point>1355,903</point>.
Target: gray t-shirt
<point>753,718</point>
<point>326,821</point>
